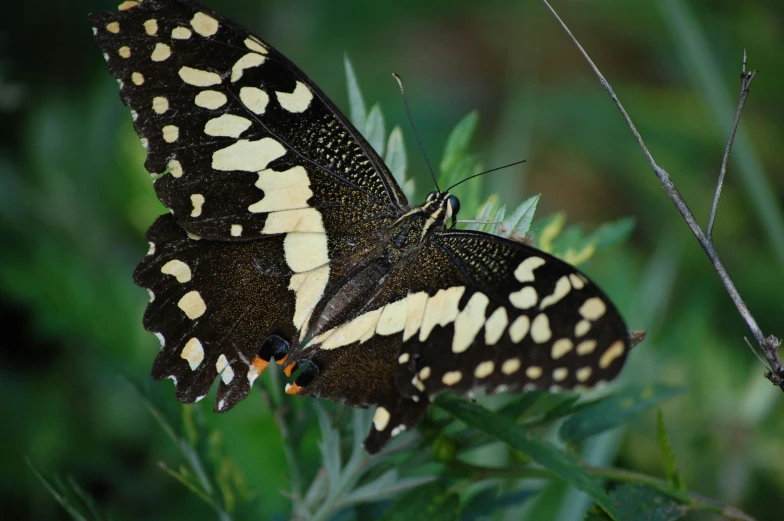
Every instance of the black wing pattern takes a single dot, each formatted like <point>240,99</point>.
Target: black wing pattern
<point>288,240</point>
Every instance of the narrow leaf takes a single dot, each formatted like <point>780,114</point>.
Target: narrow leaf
<point>609,234</point>
<point>516,437</point>
<point>496,220</point>
<point>432,502</point>
<point>482,215</point>
<point>395,157</point>
<point>490,500</point>
<point>457,144</point>
<point>668,456</point>
<point>610,412</point>
<point>374,129</point>
<point>518,224</point>
<point>636,502</point>
<point>357,111</point>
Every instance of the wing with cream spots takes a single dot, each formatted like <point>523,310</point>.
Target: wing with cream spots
<point>248,145</point>
<point>514,318</point>
<point>215,307</point>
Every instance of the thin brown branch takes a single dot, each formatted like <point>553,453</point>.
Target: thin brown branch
<point>745,82</point>
<point>768,344</point>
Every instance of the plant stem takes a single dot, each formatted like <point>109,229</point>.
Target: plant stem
<point>768,345</point>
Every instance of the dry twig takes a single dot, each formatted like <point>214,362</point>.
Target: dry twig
<point>767,344</point>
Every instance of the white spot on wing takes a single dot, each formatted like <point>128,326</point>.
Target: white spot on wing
<point>113,27</point>
<point>161,52</point>
<point>296,101</point>
<point>171,133</point>
<point>524,298</point>
<point>562,288</point>
<point>282,190</point>
<point>193,352</point>
<point>137,78</point>
<point>525,271</point>
<point>248,156</point>
<point>236,230</point>
<point>309,288</point>
<point>511,366</point>
<point>227,125</point>
<point>198,77</point>
<point>441,310</point>
<point>204,25</point>
<point>359,329</point>
<point>540,329</point>
<point>415,315</point>
<point>577,282</point>
<point>305,251</point>
<point>560,374</point>
<point>192,305</point>
<point>586,348</point>
<point>224,369</point>
<point>469,322</point>
<point>582,328</point>
<point>248,61</point>
<point>253,45</point>
<point>484,369</point>
<point>495,326</point>
<point>181,33</point>
<point>533,372</point>
<point>210,99</point>
<point>381,418</point>
<point>124,52</point>
<point>178,269</point>
<point>404,358</point>
<point>593,308</point>
<point>584,374</point>
<point>151,27</point>
<point>519,328</point>
<point>560,348</point>
<point>609,356</point>
<point>393,319</point>
<point>452,377</point>
<point>160,104</point>
<point>254,99</point>
<point>306,220</point>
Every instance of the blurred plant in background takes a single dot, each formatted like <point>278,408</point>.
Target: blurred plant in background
<point>75,200</point>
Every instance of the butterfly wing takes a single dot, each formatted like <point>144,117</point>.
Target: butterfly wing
<point>271,190</point>
<point>473,310</point>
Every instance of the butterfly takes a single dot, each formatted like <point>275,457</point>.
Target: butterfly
<point>289,242</point>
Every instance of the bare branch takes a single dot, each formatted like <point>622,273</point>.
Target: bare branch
<point>769,344</point>
<point>745,82</point>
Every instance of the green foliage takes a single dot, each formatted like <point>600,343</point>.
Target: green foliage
<point>611,411</point>
<point>74,202</point>
<point>674,477</point>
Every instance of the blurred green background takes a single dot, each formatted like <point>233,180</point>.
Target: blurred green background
<point>75,201</point>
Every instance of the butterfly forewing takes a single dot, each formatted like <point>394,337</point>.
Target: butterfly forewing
<point>249,144</point>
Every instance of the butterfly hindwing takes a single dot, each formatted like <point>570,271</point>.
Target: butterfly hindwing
<point>212,306</point>
<point>514,318</point>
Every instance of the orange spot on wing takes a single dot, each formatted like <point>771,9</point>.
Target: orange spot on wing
<point>260,364</point>
<point>294,389</point>
<point>282,360</point>
<point>290,368</point>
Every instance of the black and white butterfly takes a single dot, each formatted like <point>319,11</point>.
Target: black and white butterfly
<point>289,241</point>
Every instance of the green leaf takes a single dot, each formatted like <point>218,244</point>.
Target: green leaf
<point>357,111</point>
<point>668,456</point>
<point>456,148</point>
<point>518,224</point>
<point>491,500</point>
<point>516,437</point>
<point>612,233</point>
<point>496,221</point>
<point>637,502</point>
<point>395,157</point>
<point>374,129</point>
<point>483,214</point>
<point>73,499</point>
<point>521,405</point>
<point>610,412</point>
<point>432,502</point>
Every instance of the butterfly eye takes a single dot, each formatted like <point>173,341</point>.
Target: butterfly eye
<point>432,195</point>
<point>454,205</point>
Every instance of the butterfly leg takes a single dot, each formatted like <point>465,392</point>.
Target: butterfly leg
<point>391,420</point>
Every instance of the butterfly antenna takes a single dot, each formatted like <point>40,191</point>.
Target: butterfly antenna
<point>413,127</point>
<point>483,173</point>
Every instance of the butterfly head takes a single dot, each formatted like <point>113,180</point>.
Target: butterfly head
<point>442,206</point>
